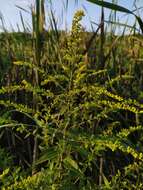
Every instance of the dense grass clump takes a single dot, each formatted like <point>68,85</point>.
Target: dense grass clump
<point>70,107</point>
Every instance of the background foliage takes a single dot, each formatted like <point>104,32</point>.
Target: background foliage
<point>71,106</point>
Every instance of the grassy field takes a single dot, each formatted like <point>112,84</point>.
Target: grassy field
<point>71,105</point>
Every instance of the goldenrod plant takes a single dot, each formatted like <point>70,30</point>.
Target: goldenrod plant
<point>67,122</point>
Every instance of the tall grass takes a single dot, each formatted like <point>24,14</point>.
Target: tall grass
<point>71,106</point>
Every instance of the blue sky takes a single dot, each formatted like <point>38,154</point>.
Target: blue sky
<point>11,13</point>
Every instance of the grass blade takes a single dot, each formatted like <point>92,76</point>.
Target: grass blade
<point>111,6</point>
<point>115,7</point>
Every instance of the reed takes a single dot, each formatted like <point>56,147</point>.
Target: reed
<point>71,104</point>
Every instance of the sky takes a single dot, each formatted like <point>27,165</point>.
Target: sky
<point>11,13</point>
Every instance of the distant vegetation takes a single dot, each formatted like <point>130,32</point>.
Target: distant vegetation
<point>71,106</point>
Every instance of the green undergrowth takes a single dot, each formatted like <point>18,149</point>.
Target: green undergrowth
<point>66,123</point>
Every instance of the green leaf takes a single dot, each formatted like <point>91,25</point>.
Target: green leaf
<point>115,7</point>
<point>4,173</point>
<point>111,6</point>
<point>106,182</point>
<point>72,165</point>
<point>49,154</point>
<point>140,22</point>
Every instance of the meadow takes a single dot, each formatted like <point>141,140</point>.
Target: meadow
<point>71,104</point>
